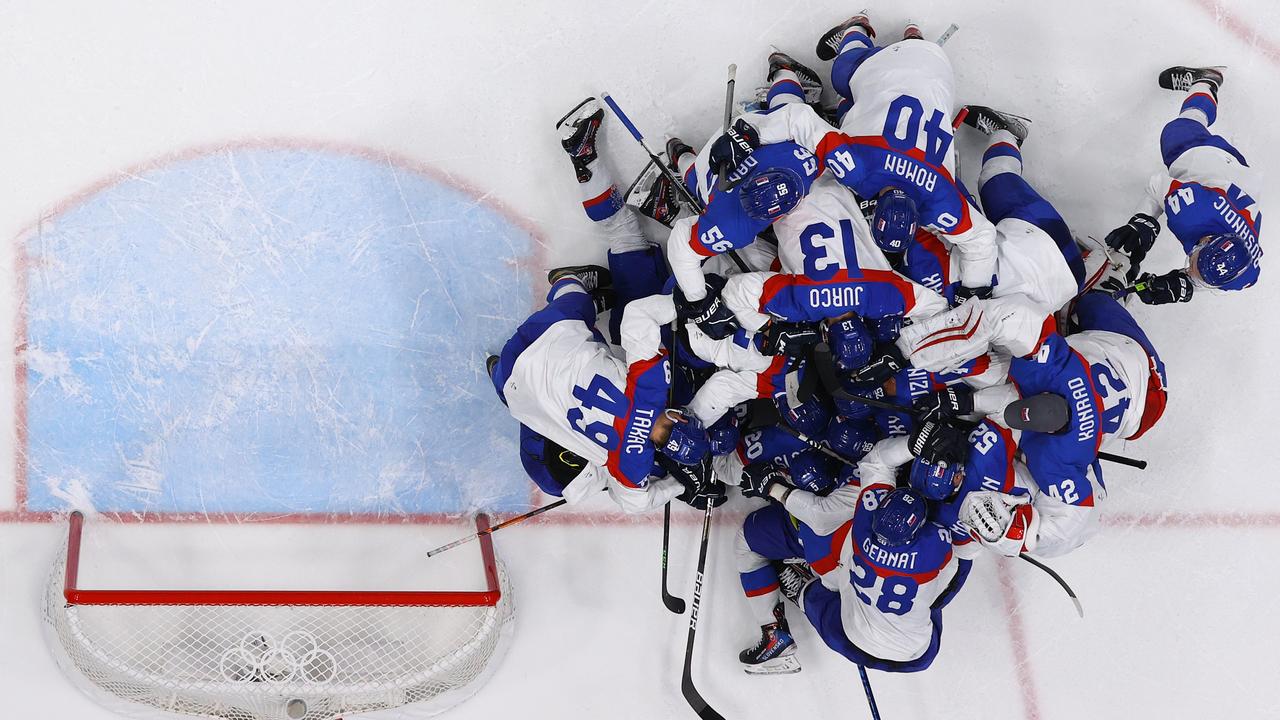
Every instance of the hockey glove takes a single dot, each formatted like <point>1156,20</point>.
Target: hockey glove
<point>700,485</point>
<point>934,441</point>
<point>760,478</point>
<point>790,339</point>
<point>885,363</point>
<point>951,401</point>
<point>885,329</point>
<point>1006,524</point>
<point>710,314</point>
<point>963,293</point>
<point>731,148</point>
<point>1137,236</point>
<point>1172,287</point>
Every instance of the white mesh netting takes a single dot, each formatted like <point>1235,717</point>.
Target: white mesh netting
<point>287,662</point>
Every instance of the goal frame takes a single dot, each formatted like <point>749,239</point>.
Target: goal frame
<point>73,594</point>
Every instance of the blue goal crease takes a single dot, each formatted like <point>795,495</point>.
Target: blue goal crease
<point>278,331</point>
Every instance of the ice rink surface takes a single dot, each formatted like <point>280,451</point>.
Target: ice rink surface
<point>256,253</point>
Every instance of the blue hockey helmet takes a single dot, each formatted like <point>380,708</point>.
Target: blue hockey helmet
<point>813,471</point>
<point>724,435</point>
<point>809,417</point>
<point>936,481</point>
<point>898,519</point>
<point>854,410</point>
<point>771,193</point>
<point>851,439</point>
<point>688,443</point>
<point>850,343</point>
<point>1219,259</point>
<point>894,223</point>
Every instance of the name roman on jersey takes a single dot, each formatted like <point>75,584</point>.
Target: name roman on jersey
<point>638,432</point>
<point>1083,400</point>
<point>911,171</point>
<point>887,558</point>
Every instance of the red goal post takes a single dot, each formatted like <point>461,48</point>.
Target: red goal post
<point>276,654</point>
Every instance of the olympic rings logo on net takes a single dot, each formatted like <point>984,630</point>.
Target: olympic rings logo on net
<point>296,658</point>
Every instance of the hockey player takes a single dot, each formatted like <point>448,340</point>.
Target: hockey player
<point>823,239</point>
<point>1037,255</point>
<point>600,418</point>
<point>905,162</point>
<point>1107,376</point>
<point>1204,197</point>
<point>885,571</point>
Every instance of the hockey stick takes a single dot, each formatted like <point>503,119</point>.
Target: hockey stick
<point>722,172</point>
<point>871,697</point>
<point>495,528</point>
<point>691,694</point>
<point>827,373</point>
<point>1057,578</point>
<point>662,167</point>
<point>673,603</point>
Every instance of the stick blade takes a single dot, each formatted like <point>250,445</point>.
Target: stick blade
<point>673,603</point>
<point>700,706</point>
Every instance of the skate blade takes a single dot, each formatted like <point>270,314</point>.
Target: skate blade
<point>785,665</point>
<point>572,114</point>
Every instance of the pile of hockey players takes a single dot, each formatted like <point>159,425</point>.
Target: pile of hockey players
<point>907,376</point>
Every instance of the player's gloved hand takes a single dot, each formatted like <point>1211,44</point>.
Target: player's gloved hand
<point>964,293</point>
<point>790,339</point>
<point>710,314</point>
<point>1137,235</point>
<point>700,485</point>
<point>934,441</point>
<point>724,434</point>
<point>1172,287</point>
<point>885,329</point>
<point>731,148</point>
<point>951,401</point>
<point>758,479</point>
<point>1007,524</point>
<point>886,361</point>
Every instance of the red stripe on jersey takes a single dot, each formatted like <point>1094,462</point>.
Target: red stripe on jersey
<point>765,385</point>
<point>831,560</point>
<point>1153,406</point>
<point>762,591</point>
<point>829,144</point>
<point>934,247</point>
<point>696,243</point>
<point>1049,327</point>
<point>614,462</point>
<point>599,198</point>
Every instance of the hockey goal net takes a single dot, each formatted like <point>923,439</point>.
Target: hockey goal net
<point>275,654</point>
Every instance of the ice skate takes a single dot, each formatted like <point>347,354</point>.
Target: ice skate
<point>829,43</point>
<point>987,121</point>
<point>578,129</point>
<point>775,652</point>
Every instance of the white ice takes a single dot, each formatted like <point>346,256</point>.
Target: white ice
<point>1178,588</point>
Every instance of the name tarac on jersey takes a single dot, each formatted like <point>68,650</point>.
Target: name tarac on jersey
<point>631,456</point>
<point>868,165</point>
<point>724,225</point>
<point>1059,461</point>
<point>1194,211</point>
